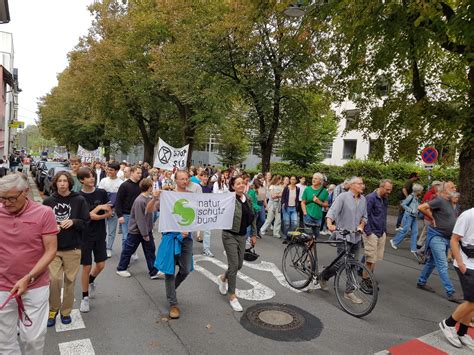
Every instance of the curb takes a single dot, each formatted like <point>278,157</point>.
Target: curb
<point>34,190</point>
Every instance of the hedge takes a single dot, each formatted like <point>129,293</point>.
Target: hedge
<point>370,171</point>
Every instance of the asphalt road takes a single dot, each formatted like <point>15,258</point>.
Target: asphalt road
<point>129,316</point>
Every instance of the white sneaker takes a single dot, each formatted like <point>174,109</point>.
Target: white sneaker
<point>92,287</point>
<point>85,306</point>
<point>451,334</point>
<point>467,340</point>
<point>124,273</point>
<point>135,257</point>
<point>222,285</point>
<point>158,275</point>
<point>208,253</point>
<point>236,306</point>
<point>393,245</point>
<point>109,253</point>
<point>351,296</point>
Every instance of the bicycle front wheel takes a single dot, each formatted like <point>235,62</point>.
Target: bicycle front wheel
<point>356,295</point>
<point>298,265</point>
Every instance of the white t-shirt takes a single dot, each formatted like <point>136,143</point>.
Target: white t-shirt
<point>465,228</point>
<point>302,187</point>
<point>121,175</point>
<point>110,185</point>
<point>216,190</point>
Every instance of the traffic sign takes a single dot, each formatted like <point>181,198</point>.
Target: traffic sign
<point>429,166</point>
<point>429,155</point>
<point>17,124</point>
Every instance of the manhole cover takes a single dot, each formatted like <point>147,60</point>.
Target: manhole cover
<point>277,318</point>
<point>281,322</point>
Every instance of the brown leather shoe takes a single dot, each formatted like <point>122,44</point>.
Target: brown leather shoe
<point>174,312</point>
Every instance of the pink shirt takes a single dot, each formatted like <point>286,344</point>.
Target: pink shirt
<point>21,243</point>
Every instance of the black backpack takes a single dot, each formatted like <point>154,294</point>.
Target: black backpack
<point>3,171</point>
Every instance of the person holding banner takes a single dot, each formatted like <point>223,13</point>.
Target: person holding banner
<point>234,240</point>
<point>175,248</point>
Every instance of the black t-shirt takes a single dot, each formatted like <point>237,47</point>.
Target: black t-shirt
<point>95,229</point>
<point>409,187</point>
<point>247,217</point>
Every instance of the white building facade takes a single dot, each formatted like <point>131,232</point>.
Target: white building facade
<point>10,96</point>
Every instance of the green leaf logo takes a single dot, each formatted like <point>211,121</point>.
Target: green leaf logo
<point>187,214</point>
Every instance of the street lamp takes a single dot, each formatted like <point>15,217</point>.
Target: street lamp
<point>296,9</point>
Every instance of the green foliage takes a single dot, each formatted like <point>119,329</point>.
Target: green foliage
<point>306,135</point>
<point>233,143</point>
<point>371,172</point>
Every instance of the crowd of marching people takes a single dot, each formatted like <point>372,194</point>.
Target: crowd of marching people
<point>44,246</point>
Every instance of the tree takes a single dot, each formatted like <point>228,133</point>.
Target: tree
<point>423,50</point>
<point>233,142</point>
<point>306,136</point>
<point>253,50</point>
<point>31,139</point>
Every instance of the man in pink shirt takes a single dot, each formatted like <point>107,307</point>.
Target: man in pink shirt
<point>28,243</point>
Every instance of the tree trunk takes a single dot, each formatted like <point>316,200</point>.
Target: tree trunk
<point>266,156</point>
<point>466,156</point>
<point>148,152</point>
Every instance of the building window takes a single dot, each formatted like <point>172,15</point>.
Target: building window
<point>351,118</point>
<point>349,150</point>
<point>328,152</point>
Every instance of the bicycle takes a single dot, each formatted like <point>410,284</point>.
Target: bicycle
<point>300,267</point>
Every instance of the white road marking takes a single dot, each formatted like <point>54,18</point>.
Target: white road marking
<point>271,267</point>
<point>77,322</point>
<point>77,347</point>
<point>258,292</point>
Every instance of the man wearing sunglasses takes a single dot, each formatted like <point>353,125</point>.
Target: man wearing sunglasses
<point>28,244</point>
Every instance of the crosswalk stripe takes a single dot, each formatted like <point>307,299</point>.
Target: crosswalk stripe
<point>77,347</point>
<point>77,322</point>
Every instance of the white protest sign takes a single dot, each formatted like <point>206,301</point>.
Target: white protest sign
<point>169,157</point>
<point>60,155</point>
<point>191,212</point>
<point>90,156</point>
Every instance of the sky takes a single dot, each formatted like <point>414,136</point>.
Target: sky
<point>43,33</point>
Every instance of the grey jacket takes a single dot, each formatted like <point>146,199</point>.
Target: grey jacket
<point>238,216</point>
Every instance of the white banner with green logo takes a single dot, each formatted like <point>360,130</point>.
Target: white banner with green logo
<point>191,212</point>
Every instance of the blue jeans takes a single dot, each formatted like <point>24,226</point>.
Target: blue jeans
<point>130,247</point>
<point>111,230</point>
<point>124,228</point>
<point>438,258</point>
<point>290,220</point>
<point>408,223</point>
<point>261,216</point>
<point>206,240</point>
<point>313,224</point>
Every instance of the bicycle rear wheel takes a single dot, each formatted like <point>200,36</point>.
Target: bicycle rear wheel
<point>356,296</point>
<point>298,265</point>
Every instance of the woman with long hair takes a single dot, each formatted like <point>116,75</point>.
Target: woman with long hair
<point>234,240</point>
<point>221,184</point>
<point>289,206</point>
<point>274,207</point>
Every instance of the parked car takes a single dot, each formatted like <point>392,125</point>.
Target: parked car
<point>42,171</point>
<point>34,167</point>
<point>47,183</point>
